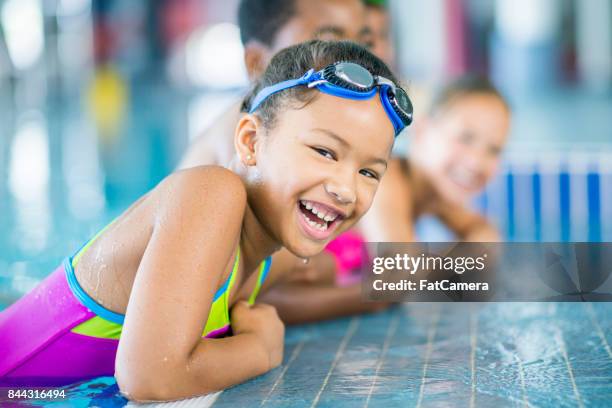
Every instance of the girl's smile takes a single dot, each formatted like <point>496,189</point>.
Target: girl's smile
<point>318,220</point>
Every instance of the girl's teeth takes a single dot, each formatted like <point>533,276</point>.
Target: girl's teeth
<point>316,225</point>
<point>322,214</point>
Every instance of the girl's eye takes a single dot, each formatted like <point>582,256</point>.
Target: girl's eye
<point>369,173</point>
<point>325,153</point>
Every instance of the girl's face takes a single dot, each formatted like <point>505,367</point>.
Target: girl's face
<point>317,170</point>
<point>459,149</point>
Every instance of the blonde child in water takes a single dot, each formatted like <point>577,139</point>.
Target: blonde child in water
<point>144,298</point>
<point>454,152</point>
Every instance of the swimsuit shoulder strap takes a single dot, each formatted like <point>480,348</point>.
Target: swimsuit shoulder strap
<point>77,256</point>
<point>230,280</point>
<point>264,268</point>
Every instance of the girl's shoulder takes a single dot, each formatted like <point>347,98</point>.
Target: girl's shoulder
<point>209,178</point>
<point>204,187</point>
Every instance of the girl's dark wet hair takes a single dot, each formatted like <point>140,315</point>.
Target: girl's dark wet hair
<point>295,61</point>
<point>462,86</point>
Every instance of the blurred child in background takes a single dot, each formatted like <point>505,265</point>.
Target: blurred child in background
<point>266,27</point>
<point>454,152</point>
<point>377,35</point>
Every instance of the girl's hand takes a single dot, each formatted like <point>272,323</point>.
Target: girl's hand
<point>262,321</point>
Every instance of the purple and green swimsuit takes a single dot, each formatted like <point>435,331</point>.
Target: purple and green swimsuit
<point>57,334</point>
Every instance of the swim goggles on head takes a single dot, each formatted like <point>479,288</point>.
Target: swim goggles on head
<point>352,81</point>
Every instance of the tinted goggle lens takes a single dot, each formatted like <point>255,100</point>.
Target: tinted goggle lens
<point>354,74</point>
<point>403,103</point>
<point>358,76</point>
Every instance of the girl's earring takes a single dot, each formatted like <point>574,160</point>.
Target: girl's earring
<point>305,260</point>
<point>248,159</point>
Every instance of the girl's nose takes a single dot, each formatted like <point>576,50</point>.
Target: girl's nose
<point>474,159</point>
<point>341,193</point>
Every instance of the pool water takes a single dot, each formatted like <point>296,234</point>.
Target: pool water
<point>427,355</point>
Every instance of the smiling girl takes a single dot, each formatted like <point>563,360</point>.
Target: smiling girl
<point>153,297</point>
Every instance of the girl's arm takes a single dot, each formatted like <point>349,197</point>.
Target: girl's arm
<point>467,224</point>
<point>161,354</point>
<point>301,303</point>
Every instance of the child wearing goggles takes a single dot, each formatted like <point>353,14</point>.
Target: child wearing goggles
<point>184,264</point>
<point>351,81</point>
<point>454,151</point>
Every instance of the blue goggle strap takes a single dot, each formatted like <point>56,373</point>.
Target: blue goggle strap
<point>281,86</point>
<point>313,79</point>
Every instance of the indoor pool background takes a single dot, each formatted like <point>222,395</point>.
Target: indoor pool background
<point>98,100</point>
<point>438,355</point>
<point>61,181</point>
